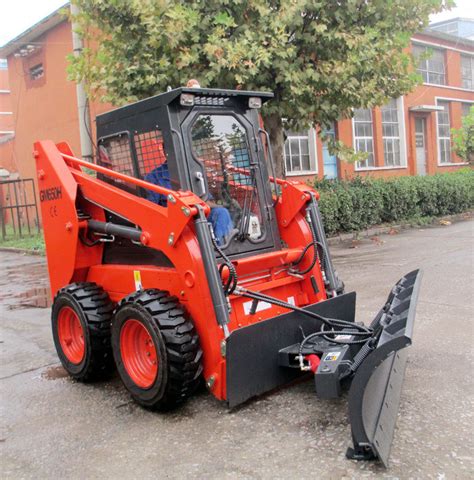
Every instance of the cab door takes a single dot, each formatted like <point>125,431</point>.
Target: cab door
<point>221,150</point>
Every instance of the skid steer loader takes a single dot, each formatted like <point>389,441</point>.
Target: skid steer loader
<point>178,257</point>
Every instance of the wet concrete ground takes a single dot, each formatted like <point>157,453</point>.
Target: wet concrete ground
<point>52,427</point>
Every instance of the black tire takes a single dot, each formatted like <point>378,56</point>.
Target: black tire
<point>95,311</point>
<point>176,345</point>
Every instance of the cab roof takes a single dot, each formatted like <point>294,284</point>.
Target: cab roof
<point>206,96</point>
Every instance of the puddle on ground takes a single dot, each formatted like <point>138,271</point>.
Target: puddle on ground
<point>54,373</point>
<point>24,285</point>
<point>33,298</point>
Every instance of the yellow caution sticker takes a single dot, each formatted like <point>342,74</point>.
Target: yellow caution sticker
<point>138,279</point>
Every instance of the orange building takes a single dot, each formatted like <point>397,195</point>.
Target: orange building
<point>7,134</point>
<point>45,101</point>
<point>408,136</point>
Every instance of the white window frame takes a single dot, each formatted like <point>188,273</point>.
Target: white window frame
<point>313,156</point>
<point>444,138</point>
<point>427,64</point>
<point>365,139</point>
<point>403,143</point>
<point>392,140</point>
<point>471,79</point>
<point>448,99</point>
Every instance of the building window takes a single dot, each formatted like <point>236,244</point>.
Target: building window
<point>392,141</point>
<point>3,64</point>
<point>444,133</point>
<point>391,134</point>
<point>37,71</point>
<point>431,68</point>
<point>467,71</point>
<point>364,136</point>
<point>300,153</point>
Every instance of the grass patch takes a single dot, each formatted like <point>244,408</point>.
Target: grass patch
<point>33,243</point>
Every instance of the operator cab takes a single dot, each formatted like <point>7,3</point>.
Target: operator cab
<point>209,141</point>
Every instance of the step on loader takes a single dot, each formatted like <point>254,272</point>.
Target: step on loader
<point>178,257</point>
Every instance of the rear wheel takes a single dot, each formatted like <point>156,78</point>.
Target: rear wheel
<point>81,318</point>
<point>156,349</point>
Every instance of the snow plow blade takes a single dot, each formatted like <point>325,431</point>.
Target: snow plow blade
<point>374,395</point>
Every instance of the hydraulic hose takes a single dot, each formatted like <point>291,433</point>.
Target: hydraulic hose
<point>231,283</point>
<point>350,328</point>
<point>330,322</point>
<point>314,243</point>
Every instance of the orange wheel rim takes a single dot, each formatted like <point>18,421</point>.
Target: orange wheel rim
<point>71,335</point>
<point>138,353</point>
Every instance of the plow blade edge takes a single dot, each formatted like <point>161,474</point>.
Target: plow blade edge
<point>375,391</point>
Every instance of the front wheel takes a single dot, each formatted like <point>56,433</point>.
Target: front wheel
<point>156,349</point>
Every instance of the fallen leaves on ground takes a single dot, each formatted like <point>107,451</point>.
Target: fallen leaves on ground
<point>377,240</point>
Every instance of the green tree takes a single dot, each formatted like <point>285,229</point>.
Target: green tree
<point>463,138</point>
<point>320,58</point>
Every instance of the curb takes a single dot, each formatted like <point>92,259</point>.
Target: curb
<point>386,229</point>
<point>23,251</point>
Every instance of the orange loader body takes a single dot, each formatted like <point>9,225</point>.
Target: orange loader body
<point>177,257</point>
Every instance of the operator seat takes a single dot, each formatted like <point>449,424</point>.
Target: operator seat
<point>219,217</point>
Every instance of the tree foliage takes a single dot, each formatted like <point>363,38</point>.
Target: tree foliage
<point>463,138</point>
<point>321,58</point>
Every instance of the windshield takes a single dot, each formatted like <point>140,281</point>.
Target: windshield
<point>220,143</point>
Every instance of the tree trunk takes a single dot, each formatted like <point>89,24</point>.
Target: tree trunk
<point>274,127</point>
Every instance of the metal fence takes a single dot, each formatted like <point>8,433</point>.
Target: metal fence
<point>18,208</point>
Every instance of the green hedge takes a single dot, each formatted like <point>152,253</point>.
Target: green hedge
<point>350,206</point>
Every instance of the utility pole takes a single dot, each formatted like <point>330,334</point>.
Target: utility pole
<point>85,131</point>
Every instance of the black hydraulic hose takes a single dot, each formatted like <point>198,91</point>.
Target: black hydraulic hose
<point>350,328</point>
<point>231,283</point>
<point>330,322</point>
<point>314,243</point>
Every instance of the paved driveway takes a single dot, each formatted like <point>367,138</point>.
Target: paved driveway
<point>52,427</point>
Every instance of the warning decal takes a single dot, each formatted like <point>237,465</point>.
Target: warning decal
<point>331,356</point>
<point>138,279</point>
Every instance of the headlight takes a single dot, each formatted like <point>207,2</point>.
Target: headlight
<point>255,102</point>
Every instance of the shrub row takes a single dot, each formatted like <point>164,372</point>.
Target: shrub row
<point>350,206</point>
